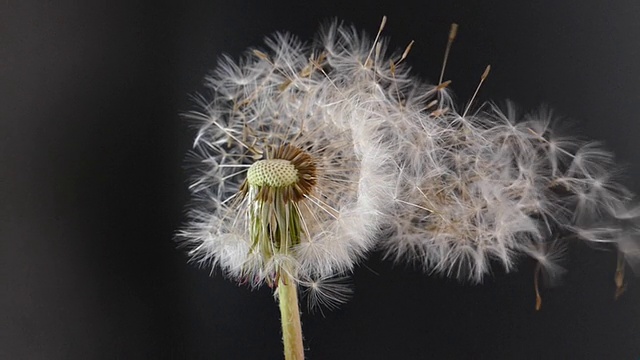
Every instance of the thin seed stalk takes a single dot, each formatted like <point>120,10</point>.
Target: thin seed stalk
<point>290,316</point>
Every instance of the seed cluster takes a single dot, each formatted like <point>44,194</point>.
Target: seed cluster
<point>307,151</point>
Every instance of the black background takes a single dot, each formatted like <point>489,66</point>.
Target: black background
<point>92,186</point>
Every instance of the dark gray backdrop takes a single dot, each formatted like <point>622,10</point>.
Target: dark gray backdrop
<point>92,186</point>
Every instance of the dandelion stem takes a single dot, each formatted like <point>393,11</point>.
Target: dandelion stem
<point>290,313</point>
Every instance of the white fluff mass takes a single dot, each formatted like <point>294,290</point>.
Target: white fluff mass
<point>289,93</point>
<point>398,166</point>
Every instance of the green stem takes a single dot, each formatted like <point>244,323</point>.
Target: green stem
<point>290,313</point>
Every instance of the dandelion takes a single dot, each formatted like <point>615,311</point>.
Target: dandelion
<point>289,182</point>
<point>306,156</point>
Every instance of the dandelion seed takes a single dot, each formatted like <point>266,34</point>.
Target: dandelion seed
<point>621,286</point>
<point>326,293</point>
<point>548,256</point>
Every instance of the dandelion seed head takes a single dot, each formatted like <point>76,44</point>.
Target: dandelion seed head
<point>303,153</point>
<point>287,178</point>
